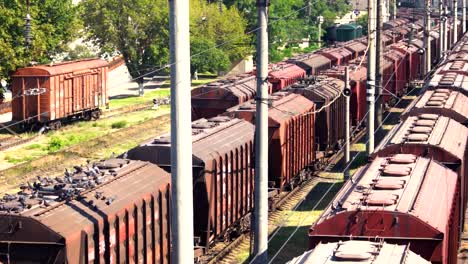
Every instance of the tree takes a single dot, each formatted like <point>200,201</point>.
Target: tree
<point>54,23</point>
<point>362,21</point>
<point>138,29</point>
<point>214,60</point>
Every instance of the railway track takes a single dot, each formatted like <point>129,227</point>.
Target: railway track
<point>11,142</point>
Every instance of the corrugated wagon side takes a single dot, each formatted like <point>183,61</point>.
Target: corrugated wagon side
<point>53,93</point>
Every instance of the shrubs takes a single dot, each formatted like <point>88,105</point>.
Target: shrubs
<point>119,124</point>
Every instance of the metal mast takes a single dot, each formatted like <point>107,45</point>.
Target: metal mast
<point>371,75</point>
<point>455,20</point>
<point>181,134</point>
<point>427,40</point>
<point>378,63</point>
<point>261,138</point>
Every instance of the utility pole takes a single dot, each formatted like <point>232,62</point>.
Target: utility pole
<point>261,139</point>
<point>427,39</point>
<point>320,21</point>
<point>441,28</point>
<point>371,75</point>
<point>347,125</point>
<point>394,11</point>
<point>446,40</point>
<point>308,9</point>
<point>455,20</point>
<point>464,16</point>
<point>220,6</point>
<point>378,64</point>
<point>181,134</point>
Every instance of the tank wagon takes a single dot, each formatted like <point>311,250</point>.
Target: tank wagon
<point>214,98</point>
<point>355,251</point>
<point>443,102</point>
<point>326,93</point>
<point>291,135</point>
<point>223,176</point>
<point>393,198</point>
<point>51,94</point>
<point>115,211</point>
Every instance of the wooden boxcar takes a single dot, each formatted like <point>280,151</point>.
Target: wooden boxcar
<point>50,94</point>
<point>125,219</point>
<point>214,98</point>
<point>356,251</point>
<point>326,93</point>
<point>223,176</point>
<point>402,199</point>
<point>451,104</point>
<point>291,135</point>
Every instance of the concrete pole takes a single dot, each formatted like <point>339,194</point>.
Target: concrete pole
<point>371,75</point>
<point>378,63</point>
<point>347,126</point>
<point>464,16</point>
<point>455,20</point>
<point>320,21</point>
<point>394,13</point>
<point>261,138</point>
<point>446,40</point>
<point>181,134</point>
<point>441,28</point>
<point>308,9</point>
<point>427,39</point>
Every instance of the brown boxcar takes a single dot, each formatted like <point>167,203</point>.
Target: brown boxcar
<point>413,59</point>
<point>356,251</point>
<point>125,219</point>
<point>223,175</point>
<point>451,104</point>
<point>291,133</point>
<point>449,80</point>
<point>326,93</point>
<point>437,137</point>
<point>398,59</point>
<point>312,63</point>
<point>284,74</point>
<point>338,56</point>
<point>459,67</point>
<point>49,93</point>
<point>402,199</point>
<point>214,98</point>
<point>357,83</point>
<point>356,47</point>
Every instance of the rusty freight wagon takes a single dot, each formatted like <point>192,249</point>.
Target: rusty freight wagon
<point>223,175</point>
<point>326,93</point>
<point>450,81</point>
<point>51,94</point>
<point>400,70</point>
<point>356,48</point>
<point>356,251</point>
<point>312,63</point>
<point>291,136</point>
<point>357,83</point>
<point>214,98</point>
<point>338,56</point>
<point>451,104</point>
<point>403,199</point>
<point>284,74</point>
<point>115,212</point>
<point>433,136</point>
<point>413,59</point>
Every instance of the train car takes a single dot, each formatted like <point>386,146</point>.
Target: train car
<point>284,74</point>
<point>115,212</point>
<point>459,67</point>
<point>52,94</point>
<point>338,56</point>
<point>357,83</point>
<point>437,137</point>
<point>291,133</point>
<point>357,48</point>
<point>223,175</point>
<point>451,104</point>
<point>326,93</point>
<point>435,46</point>
<point>356,251</point>
<point>214,98</point>
<point>398,59</point>
<point>449,80</point>
<point>404,199</point>
<point>312,63</point>
<point>413,59</point>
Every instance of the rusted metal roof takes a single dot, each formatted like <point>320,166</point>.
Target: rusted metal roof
<point>75,67</point>
<point>461,55</point>
<point>285,70</point>
<point>442,102</point>
<point>311,61</point>
<point>443,135</point>
<point>358,48</point>
<point>355,251</point>
<point>403,184</point>
<point>449,80</point>
<point>457,66</point>
<point>339,55</point>
<point>241,87</point>
<point>212,138</point>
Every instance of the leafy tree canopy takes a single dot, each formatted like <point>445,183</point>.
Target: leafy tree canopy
<point>54,23</point>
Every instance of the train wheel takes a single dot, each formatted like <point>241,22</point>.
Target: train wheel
<point>95,115</point>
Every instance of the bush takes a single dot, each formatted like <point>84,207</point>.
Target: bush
<point>55,144</point>
<point>119,124</point>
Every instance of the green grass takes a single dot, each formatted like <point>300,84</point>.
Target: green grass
<point>119,124</point>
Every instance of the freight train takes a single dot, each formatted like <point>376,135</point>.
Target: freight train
<point>118,210</point>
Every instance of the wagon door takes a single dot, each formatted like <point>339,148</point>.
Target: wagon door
<point>35,101</point>
<point>77,96</point>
